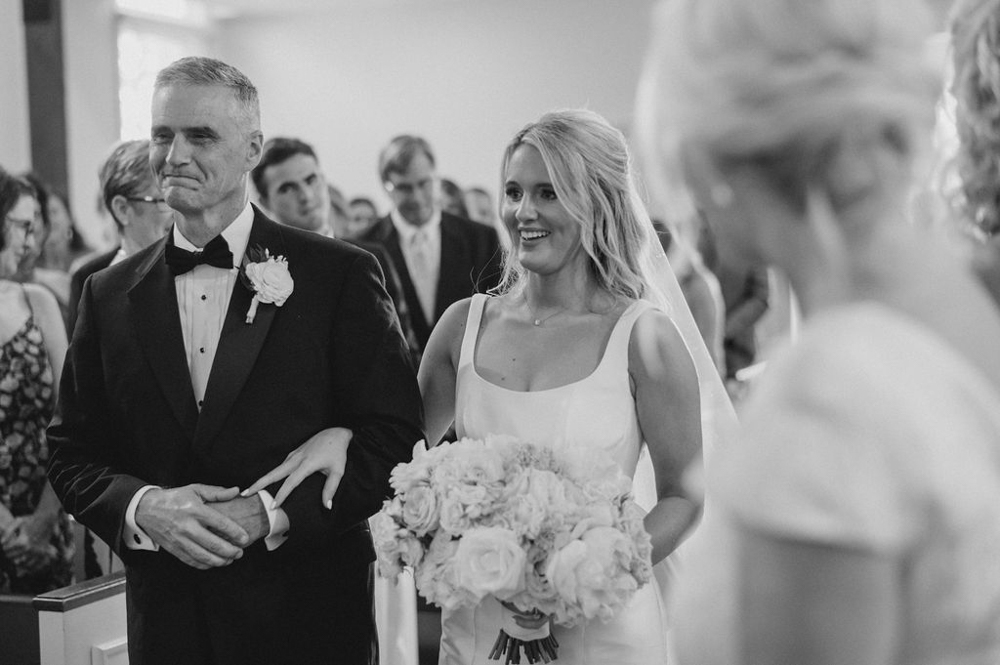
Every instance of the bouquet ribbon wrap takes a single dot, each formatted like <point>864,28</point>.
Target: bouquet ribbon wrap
<point>538,644</point>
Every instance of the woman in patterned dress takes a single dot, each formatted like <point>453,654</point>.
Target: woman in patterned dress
<point>36,547</point>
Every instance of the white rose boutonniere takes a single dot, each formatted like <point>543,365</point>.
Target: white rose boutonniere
<point>267,277</point>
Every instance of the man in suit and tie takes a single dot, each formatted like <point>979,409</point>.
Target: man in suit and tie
<point>196,366</point>
<point>135,203</point>
<point>293,188</point>
<point>441,258</point>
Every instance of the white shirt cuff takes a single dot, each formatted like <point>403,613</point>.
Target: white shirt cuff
<point>134,537</point>
<point>278,521</point>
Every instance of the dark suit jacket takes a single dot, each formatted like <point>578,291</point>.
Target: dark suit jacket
<point>394,287</point>
<point>99,262</point>
<point>333,355</point>
<point>470,263</point>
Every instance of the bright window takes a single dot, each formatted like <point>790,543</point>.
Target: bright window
<point>151,35</point>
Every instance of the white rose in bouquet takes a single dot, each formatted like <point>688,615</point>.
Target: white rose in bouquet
<point>490,561</point>
<point>395,545</point>
<point>588,573</point>
<point>416,472</point>
<point>421,512</point>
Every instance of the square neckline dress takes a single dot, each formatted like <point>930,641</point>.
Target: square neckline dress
<point>597,411</point>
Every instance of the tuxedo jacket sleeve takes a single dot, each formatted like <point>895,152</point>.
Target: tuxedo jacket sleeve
<point>331,356</point>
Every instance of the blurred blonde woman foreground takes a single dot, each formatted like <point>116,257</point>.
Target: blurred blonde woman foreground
<point>859,522</point>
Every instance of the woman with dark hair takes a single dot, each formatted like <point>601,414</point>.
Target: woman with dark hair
<point>57,245</point>
<point>36,547</point>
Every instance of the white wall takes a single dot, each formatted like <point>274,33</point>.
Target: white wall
<point>15,136</point>
<point>91,68</point>
<point>465,75</point>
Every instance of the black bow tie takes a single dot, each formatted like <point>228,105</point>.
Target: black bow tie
<point>216,253</point>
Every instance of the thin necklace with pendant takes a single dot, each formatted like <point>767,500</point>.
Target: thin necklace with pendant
<point>537,321</point>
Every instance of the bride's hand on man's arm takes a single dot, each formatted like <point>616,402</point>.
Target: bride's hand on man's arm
<point>325,452</point>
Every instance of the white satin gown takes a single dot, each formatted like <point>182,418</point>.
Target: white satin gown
<point>597,412</point>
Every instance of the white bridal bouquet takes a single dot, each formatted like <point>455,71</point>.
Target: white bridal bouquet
<point>552,533</point>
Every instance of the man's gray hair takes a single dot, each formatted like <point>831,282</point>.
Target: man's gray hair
<point>200,70</point>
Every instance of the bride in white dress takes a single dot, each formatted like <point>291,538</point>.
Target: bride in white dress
<point>574,350</point>
<point>570,354</point>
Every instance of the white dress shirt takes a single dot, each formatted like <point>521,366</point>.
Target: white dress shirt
<point>203,296</point>
<point>423,259</point>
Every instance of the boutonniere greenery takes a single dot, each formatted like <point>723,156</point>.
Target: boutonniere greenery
<point>267,277</point>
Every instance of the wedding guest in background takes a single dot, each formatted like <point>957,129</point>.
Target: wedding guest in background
<point>480,206</point>
<point>975,38</point>
<point>701,290</point>
<point>134,200</point>
<point>746,293</point>
<point>36,541</point>
<point>292,186</point>
<point>340,215</point>
<point>36,268</point>
<point>65,244</point>
<point>452,199</point>
<point>574,351</point>
<point>364,214</point>
<point>441,258</point>
<point>859,520</point>
<point>184,382</point>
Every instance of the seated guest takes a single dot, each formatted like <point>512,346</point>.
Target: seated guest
<point>340,214</point>
<point>480,206</point>
<point>291,185</point>
<point>452,199</point>
<point>36,542</point>
<point>363,214</point>
<point>64,244</point>
<point>136,205</point>
<point>35,268</point>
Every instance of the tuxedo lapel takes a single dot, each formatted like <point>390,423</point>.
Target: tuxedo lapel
<point>156,320</point>
<point>240,342</point>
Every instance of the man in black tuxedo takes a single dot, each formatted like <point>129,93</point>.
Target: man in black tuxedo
<point>135,203</point>
<point>441,258</point>
<point>185,381</point>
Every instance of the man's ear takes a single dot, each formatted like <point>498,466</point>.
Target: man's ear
<point>255,149</point>
<point>120,209</point>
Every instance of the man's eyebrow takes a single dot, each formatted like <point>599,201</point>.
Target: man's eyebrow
<point>201,130</point>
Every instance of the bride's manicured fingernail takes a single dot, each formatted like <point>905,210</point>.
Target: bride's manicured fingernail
<point>329,504</point>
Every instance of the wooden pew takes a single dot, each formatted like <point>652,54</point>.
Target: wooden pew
<point>83,624</point>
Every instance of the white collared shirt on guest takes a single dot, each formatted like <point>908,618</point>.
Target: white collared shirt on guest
<point>203,296</point>
<point>426,287</point>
